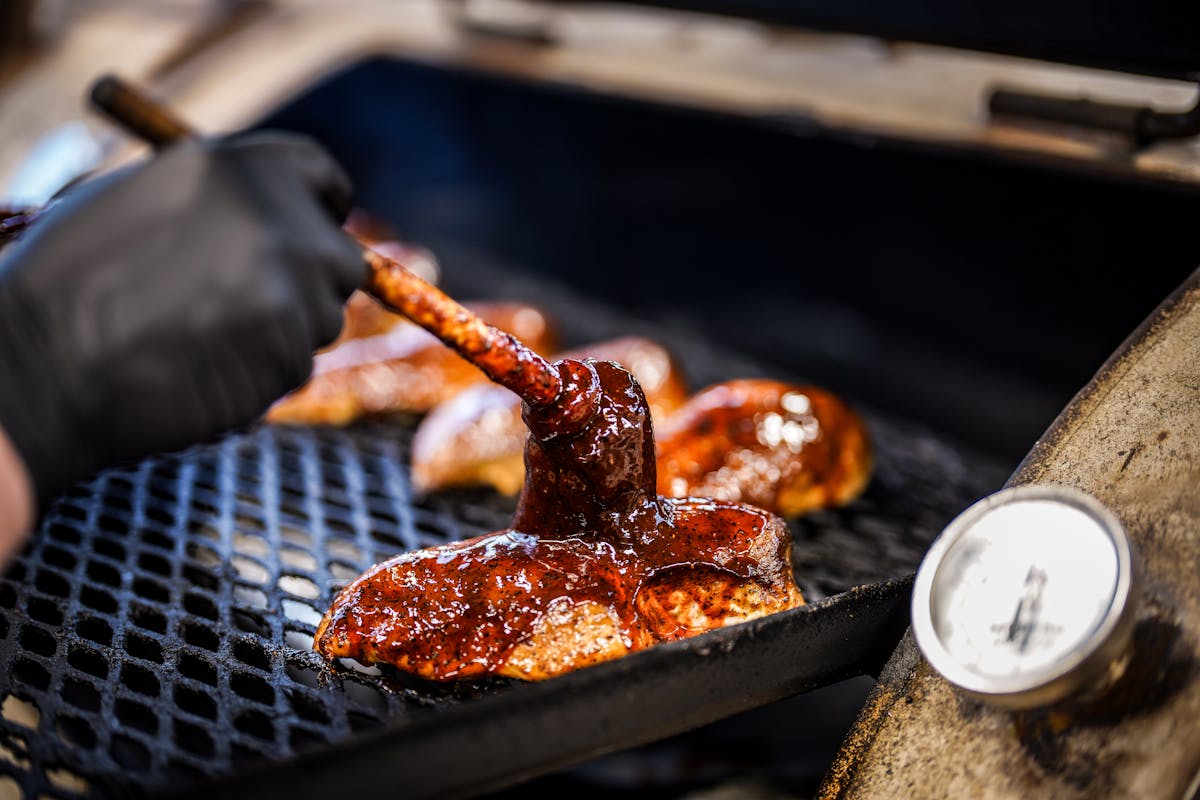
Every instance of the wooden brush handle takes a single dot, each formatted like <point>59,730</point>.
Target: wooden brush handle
<point>500,355</point>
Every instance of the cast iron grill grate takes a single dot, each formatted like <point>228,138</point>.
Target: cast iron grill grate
<point>156,631</point>
<point>157,628</point>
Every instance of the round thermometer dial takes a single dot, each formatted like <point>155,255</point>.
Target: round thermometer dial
<point>1025,597</point>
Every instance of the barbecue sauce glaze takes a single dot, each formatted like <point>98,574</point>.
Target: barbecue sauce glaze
<point>786,448</point>
<point>478,437</point>
<point>590,532</point>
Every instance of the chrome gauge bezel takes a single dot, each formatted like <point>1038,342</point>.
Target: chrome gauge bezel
<point>1085,664</point>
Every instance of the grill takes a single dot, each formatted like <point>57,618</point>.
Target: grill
<point>156,631</point>
<point>155,634</point>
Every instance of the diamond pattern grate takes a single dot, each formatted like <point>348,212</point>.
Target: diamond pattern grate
<point>158,627</point>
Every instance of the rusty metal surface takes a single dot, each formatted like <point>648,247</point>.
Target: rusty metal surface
<point>1131,437</point>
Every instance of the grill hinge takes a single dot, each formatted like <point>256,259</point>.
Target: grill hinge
<point>1143,125</point>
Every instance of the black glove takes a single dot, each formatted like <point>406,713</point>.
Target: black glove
<point>164,303</point>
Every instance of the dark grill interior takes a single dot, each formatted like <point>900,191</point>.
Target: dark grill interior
<point>156,630</point>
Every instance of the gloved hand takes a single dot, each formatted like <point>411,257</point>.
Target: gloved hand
<point>164,303</point>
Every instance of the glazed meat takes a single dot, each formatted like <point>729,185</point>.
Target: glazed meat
<point>383,364</point>
<point>785,448</point>
<point>478,437</point>
<point>596,564</point>
<point>531,607</point>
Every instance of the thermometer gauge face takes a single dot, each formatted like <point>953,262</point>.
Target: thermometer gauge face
<point>1025,596</point>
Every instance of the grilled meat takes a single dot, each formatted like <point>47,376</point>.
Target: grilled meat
<point>531,607</point>
<point>382,364</point>
<point>596,563</point>
<point>788,449</point>
<point>477,437</point>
